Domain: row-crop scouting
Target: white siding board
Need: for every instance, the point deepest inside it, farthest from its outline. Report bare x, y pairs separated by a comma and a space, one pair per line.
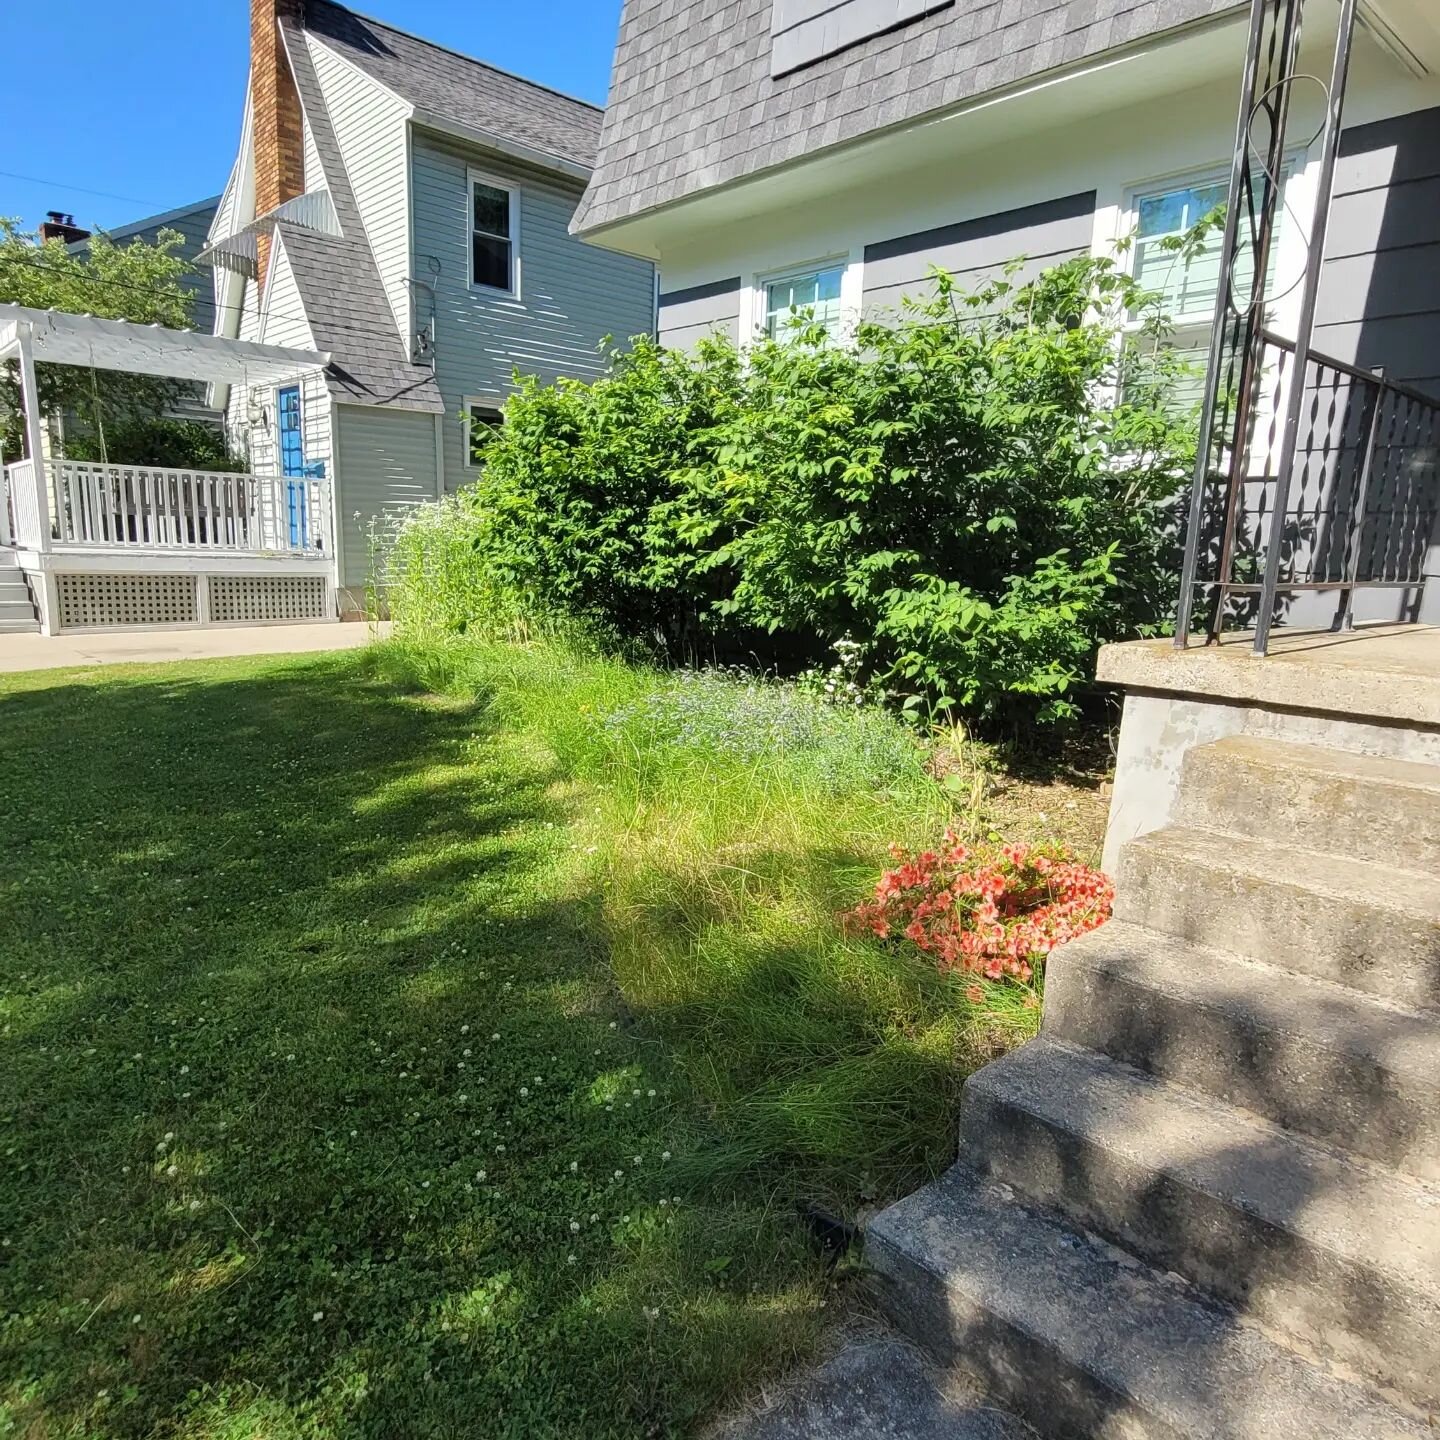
571, 294
385, 464
369, 127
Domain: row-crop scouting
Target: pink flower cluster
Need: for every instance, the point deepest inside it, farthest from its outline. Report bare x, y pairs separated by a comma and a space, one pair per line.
992, 911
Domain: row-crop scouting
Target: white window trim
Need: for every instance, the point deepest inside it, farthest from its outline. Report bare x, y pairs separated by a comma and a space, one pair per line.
477, 402
852, 291
482, 177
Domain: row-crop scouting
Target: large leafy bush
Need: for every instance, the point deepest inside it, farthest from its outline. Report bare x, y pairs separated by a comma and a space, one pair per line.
976, 491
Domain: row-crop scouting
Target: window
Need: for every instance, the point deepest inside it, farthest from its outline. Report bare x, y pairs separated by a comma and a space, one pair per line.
814, 293
494, 234
482, 418
1188, 287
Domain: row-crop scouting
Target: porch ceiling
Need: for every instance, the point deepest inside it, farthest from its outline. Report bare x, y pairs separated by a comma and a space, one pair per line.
64, 339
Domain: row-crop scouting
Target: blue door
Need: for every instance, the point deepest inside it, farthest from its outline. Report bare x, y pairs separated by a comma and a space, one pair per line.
292, 465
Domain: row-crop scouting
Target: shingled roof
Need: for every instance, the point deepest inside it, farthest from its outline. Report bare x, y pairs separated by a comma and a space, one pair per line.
693, 103
465, 91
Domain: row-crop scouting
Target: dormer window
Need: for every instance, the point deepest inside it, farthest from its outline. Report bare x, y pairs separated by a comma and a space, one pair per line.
494, 234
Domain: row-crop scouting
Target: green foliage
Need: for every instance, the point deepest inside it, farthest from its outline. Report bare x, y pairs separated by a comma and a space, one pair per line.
975, 492
157, 440
136, 281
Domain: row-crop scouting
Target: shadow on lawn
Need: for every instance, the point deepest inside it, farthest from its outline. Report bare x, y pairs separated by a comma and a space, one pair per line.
249, 910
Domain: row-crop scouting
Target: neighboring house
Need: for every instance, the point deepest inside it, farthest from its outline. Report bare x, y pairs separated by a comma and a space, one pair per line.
192, 222
824, 154
405, 210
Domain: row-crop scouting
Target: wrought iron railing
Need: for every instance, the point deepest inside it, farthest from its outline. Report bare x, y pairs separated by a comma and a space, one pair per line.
1360, 510
1314, 477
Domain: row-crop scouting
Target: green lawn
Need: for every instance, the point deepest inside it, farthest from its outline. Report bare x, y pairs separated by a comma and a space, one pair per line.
376, 1062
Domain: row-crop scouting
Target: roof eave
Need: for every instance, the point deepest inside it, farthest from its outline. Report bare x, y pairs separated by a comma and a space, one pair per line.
500, 144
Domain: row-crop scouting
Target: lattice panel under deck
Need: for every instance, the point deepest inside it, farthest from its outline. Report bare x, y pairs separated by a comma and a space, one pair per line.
267, 597
87, 600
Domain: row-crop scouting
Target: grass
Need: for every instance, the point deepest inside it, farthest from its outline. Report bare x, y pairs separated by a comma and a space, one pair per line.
440, 1041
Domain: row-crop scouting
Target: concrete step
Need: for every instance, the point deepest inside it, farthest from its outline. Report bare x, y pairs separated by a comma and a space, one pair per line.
19, 627
1371, 927
1308, 1054
1084, 1341
876, 1386
1372, 808
1339, 1256
16, 607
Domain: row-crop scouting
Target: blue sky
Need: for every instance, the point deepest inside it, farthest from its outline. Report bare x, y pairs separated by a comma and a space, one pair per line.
143, 101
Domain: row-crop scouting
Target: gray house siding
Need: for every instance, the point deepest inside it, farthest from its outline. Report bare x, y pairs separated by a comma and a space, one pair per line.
699, 310
385, 462
1380, 292
571, 294
193, 222
693, 104
974, 251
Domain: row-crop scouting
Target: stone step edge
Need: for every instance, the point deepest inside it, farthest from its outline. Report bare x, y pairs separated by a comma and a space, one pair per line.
1066, 1330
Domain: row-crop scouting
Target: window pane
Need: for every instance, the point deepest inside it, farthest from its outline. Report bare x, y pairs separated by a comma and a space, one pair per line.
490, 262
483, 423
817, 294
492, 209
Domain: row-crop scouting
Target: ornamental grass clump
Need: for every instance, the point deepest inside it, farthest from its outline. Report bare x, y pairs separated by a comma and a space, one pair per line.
991, 911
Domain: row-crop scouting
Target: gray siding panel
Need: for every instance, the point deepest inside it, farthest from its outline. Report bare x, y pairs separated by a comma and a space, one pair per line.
571, 294
699, 310
976, 250
1379, 303
384, 463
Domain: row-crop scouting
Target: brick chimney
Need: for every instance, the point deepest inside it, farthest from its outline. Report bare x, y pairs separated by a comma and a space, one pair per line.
57, 225
278, 127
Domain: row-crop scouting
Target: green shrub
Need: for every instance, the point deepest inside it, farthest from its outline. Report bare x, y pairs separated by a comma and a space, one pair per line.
969, 498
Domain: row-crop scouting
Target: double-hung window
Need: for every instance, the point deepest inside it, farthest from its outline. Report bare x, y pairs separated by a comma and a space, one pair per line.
494, 234
1187, 285
813, 294
482, 418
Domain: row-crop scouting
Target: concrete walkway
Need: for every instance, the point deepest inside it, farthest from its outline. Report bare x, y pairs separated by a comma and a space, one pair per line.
130, 647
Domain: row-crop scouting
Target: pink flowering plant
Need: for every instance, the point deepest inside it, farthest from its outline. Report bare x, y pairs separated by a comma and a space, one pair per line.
995, 911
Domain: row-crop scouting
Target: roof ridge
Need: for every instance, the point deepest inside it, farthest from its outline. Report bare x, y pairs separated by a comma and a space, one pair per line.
469, 59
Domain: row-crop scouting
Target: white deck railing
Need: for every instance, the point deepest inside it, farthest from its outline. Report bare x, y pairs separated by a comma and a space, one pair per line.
21, 521
142, 507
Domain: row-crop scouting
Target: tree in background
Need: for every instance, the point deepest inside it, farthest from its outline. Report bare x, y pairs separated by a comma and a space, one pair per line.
137, 281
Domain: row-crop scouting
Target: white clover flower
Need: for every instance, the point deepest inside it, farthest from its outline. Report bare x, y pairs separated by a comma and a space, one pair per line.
619, 1174
574, 1166
173, 1170
574, 1227
169, 1136
663, 1202
664, 1154
463, 1099
134, 1319
184, 1069
499, 1149
593, 1217
466, 1054
465, 1030
634, 1159
480, 1175
424, 1184
524, 1092
318, 1316
651, 1094
636, 1094
354, 1133
194, 1204
496, 1035
569, 1259
613, 1024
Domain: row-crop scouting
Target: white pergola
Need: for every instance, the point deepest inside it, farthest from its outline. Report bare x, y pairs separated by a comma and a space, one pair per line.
145, 519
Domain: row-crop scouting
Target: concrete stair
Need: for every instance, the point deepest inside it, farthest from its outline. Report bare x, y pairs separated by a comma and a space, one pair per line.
1206, 1202
17, 609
